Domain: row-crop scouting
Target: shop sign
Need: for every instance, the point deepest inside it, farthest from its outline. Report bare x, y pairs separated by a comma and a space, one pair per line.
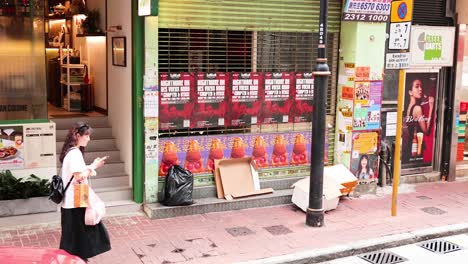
395, 61
432, 46
366, 10
419, 116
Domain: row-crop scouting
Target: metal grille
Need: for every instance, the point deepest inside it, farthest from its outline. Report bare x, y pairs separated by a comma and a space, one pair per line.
191, 50
440, 246
382, 257
433, 210
430, 12
239, 231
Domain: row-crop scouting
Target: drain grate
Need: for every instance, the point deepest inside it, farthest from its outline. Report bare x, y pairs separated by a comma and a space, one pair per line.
433, 210
239, 231
382, 257
440, 246
423, 197
278, 230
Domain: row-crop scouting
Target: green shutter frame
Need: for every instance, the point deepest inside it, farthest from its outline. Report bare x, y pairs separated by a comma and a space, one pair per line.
248, 15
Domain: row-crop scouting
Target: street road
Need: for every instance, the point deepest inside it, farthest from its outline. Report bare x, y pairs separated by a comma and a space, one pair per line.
415, 254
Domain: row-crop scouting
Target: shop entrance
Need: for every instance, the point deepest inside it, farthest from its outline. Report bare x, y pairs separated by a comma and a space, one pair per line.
76, 67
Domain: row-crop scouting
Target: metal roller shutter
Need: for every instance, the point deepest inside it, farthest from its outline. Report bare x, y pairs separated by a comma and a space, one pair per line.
247, 15
430, 13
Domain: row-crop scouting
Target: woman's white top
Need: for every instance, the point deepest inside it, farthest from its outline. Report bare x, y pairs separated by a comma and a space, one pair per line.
72, 163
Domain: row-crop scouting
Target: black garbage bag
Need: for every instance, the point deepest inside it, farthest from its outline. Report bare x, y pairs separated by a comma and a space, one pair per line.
178, 187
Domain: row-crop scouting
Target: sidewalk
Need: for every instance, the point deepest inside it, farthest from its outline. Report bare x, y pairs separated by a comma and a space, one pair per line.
252, 234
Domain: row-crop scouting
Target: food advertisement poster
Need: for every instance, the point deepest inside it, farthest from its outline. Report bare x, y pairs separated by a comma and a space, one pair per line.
39, 145
364, 155
278, 94
11, 147
176, 100
419, 116
211, 101
245, 98
304, 95
197, 154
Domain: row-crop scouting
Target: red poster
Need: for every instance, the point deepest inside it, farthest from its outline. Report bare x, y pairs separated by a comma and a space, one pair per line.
211, 104
176, 100
278, 94
245, 98
303, 97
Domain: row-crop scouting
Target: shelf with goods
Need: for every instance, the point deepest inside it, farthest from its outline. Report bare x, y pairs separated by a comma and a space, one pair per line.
71, 81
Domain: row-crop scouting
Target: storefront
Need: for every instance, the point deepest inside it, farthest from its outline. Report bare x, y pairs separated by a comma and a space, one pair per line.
427, 61
233, 79
57, 68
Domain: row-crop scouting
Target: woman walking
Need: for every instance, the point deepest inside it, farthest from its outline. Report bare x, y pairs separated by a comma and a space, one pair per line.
77, 238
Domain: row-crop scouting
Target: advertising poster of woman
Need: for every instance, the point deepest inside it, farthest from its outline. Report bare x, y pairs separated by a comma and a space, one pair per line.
419, 116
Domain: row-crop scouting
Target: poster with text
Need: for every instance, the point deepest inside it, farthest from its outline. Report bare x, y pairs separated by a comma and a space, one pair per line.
246, 98
211, 100
278, 94
364, 155
303, 97
11, 147
39, 145
176, 100
419, 115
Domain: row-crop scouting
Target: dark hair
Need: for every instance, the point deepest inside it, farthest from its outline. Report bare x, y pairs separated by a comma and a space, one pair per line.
360, 165
71, 140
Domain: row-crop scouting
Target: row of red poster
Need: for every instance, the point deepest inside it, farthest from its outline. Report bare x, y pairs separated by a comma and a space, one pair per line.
189, 100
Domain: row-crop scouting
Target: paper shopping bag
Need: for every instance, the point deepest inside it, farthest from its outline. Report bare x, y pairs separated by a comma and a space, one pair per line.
81, 195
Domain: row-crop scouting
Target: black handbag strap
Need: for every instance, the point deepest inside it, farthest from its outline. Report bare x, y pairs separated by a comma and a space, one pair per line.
68, 184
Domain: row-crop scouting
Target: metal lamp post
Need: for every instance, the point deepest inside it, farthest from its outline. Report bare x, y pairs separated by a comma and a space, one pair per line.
315, 212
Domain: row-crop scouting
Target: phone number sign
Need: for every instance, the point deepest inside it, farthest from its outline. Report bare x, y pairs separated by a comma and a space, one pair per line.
367, 10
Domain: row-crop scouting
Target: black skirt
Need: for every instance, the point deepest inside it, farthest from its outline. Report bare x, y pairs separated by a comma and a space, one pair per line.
82, 240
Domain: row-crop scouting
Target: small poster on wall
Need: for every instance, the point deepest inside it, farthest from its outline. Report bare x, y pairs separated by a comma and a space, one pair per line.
419, 116
304, 95
176, 100
11, 147
246, 98
278, 94
364, 155
211, 101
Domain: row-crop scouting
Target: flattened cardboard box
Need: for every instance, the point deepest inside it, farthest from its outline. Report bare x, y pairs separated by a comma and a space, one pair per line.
236, 178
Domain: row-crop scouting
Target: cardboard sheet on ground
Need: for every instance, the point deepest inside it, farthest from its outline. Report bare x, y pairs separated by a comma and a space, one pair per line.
331, 193
339, 173
237, 178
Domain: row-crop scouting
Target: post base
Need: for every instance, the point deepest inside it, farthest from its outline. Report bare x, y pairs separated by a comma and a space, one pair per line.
314, 217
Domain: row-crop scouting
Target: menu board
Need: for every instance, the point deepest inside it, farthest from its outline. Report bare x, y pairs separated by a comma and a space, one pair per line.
210, 107
245, 98
176, 100
39, 141
303, 97
11, 147
278, 94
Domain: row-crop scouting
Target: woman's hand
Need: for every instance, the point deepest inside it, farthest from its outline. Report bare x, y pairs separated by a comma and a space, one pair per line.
98, 162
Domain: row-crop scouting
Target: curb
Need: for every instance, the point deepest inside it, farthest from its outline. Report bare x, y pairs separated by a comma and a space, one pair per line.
364, 246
